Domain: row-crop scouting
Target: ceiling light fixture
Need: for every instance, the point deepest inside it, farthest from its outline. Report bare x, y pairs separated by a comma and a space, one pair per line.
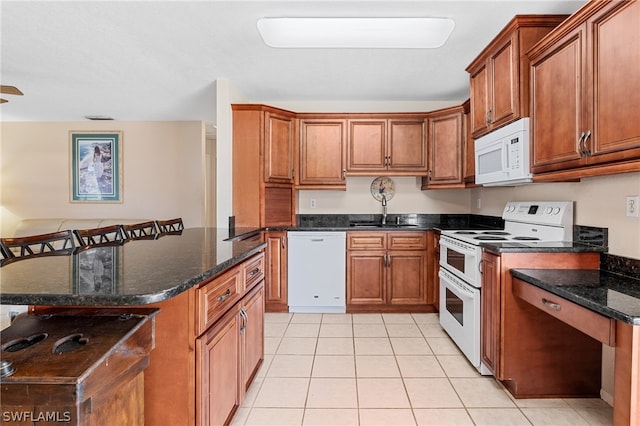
98, 117
357, 33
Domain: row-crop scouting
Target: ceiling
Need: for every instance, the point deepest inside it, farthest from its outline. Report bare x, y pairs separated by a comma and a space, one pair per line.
159, 60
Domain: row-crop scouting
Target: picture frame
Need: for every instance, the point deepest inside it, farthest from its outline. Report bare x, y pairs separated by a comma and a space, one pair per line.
96, 166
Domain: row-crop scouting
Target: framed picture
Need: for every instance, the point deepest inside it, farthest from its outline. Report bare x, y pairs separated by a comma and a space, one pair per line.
96, 166
98, 270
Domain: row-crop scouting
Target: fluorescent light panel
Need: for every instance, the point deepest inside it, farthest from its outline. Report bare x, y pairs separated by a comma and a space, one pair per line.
373, 33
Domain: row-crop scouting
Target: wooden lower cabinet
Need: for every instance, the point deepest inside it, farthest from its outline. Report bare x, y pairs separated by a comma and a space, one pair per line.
217, 360
387, 271
227, 357
526, 348
276, 297
252, 337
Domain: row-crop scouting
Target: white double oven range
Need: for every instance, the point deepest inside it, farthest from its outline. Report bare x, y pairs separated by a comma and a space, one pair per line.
526, 224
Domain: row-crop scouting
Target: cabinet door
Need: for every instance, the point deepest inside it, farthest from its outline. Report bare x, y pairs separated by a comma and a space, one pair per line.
252, 335
407, 146
278, 150
490, 312
615, 92
433, 267
479, 88
322, 153
446, 142
366, 278
278, 205
503, 82
407, 277
469, 168
276, 273
366, 147
557, 99
217, 358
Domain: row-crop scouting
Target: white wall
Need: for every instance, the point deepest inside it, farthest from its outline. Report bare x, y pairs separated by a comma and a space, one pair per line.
227, 94
162, 176
408, 198
599, 201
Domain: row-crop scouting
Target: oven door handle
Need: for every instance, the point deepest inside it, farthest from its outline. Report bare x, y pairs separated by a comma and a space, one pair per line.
459, 248
454, 282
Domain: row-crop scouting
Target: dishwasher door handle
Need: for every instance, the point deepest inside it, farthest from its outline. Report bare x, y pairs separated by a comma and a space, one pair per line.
317, 240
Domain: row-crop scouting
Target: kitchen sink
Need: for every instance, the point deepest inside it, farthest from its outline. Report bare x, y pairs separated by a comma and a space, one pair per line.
380, 225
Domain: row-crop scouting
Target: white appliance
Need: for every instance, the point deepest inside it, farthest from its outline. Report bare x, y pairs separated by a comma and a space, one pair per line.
317, 272
527, 224
502, 156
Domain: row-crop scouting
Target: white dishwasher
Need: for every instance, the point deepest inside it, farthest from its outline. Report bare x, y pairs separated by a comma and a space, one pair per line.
317, 271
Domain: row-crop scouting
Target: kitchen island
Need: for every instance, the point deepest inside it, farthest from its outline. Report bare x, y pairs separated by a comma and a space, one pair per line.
208, 337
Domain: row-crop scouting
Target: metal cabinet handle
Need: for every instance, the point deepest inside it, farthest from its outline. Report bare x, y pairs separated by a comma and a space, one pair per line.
254, 272
550, 304
243, 326
587, 136
224, 296
580, 141
488, 117
282, 242
344, 174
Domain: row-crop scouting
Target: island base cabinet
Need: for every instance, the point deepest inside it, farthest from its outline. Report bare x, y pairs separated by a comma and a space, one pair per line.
228, 356
252, 337
218, 353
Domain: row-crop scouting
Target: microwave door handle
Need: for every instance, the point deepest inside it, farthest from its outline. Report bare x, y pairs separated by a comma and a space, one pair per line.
505, 155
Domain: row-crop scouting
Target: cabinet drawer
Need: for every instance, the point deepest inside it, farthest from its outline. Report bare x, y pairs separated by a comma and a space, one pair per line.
253, 271
366, 240
216, 297
591, 323
407, 240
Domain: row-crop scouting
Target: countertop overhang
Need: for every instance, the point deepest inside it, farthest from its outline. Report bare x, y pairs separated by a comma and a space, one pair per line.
139, 272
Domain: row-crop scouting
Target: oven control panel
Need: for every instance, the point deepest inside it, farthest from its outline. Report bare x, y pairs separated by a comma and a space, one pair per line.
558, 213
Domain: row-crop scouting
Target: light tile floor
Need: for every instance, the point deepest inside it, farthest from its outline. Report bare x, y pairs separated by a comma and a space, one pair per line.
386, 369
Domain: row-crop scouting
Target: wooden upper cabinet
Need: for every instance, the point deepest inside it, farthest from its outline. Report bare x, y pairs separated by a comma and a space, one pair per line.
446, 148
407, 146
469, 161
278, 148
367, 148
499, 76
393, 145
586, 90
262, 169
322, 153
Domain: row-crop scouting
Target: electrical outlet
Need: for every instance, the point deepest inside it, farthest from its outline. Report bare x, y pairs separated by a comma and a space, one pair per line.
478, 203
312, 203
633, 206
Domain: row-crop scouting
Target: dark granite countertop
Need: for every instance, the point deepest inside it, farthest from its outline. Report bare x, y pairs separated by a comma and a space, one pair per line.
542, 247
135, 273
610, 294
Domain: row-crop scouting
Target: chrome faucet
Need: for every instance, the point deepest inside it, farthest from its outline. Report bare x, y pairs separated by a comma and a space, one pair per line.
384, 210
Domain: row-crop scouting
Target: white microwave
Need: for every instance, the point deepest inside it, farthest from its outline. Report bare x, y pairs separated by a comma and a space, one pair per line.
502, 156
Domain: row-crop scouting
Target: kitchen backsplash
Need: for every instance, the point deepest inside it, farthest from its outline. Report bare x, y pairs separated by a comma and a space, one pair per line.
449, 221
620, 265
